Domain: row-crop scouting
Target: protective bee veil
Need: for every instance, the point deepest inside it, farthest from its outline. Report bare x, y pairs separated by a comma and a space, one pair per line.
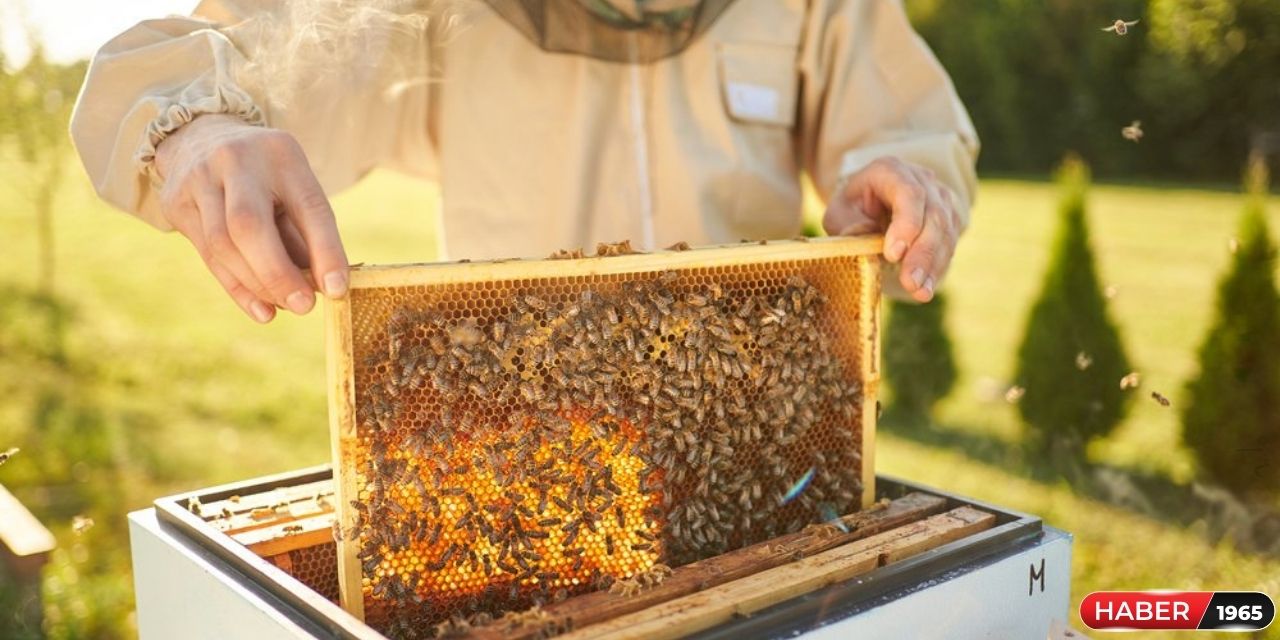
635, 31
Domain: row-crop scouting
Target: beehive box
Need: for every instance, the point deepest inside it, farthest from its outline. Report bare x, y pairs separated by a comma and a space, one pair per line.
518, 432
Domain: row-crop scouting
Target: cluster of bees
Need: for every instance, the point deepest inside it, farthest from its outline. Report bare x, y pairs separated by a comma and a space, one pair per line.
556, 440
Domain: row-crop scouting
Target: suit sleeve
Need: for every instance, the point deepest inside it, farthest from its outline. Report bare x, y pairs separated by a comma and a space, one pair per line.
872, 88
354, 94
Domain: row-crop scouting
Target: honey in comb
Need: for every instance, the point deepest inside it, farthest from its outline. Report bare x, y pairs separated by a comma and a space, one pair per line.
525, 440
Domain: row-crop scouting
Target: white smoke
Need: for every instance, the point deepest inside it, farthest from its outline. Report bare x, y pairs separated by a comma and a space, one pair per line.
296, 46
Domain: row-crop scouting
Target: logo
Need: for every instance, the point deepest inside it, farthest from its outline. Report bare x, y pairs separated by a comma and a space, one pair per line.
1177, 610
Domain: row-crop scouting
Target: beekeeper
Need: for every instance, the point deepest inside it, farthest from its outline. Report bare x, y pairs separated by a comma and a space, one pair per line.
547, 124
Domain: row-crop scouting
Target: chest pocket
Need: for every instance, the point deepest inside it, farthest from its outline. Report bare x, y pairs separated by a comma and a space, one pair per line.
759, 85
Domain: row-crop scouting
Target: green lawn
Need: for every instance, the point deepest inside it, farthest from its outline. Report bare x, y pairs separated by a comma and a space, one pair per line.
162, 385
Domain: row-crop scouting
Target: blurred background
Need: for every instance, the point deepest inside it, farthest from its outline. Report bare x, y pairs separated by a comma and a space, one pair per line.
126, 374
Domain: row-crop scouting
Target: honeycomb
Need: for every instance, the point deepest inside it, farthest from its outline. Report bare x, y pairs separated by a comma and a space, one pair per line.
313, 566
525, 438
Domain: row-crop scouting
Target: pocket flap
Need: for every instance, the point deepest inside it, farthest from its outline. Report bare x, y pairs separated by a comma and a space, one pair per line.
758, 82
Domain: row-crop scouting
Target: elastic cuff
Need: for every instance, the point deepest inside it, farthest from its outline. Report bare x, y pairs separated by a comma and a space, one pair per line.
226, 100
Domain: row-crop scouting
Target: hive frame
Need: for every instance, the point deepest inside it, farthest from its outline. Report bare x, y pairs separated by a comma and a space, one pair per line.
339, 344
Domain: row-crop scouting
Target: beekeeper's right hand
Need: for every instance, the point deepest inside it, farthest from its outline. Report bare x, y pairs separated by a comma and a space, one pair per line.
247, 200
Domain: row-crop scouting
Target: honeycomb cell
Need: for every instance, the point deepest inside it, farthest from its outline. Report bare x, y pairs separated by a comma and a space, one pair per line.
522, 440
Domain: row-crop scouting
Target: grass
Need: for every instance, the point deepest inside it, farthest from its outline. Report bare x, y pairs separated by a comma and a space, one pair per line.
159, 384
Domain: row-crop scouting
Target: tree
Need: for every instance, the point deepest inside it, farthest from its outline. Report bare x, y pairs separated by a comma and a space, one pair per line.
36, 102
1203, 79
1040, 77
918, 365
1232, 417
1071, 359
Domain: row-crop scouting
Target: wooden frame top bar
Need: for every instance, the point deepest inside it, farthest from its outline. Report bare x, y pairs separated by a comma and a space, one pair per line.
372, 276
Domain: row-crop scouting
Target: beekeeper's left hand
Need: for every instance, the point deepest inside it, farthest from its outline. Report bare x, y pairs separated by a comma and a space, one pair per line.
916, 212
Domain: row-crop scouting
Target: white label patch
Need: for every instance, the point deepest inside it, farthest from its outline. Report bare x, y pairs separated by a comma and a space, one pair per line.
753, 101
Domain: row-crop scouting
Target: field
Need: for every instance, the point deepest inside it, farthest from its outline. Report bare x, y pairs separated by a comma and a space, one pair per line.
140, 379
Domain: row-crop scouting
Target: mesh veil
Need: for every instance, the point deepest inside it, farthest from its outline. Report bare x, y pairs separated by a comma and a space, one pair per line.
636, 31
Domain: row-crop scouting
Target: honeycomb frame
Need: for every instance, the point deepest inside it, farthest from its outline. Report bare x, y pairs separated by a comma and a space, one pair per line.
355, 327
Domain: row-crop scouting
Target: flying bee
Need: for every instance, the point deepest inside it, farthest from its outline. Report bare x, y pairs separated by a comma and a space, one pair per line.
81, 524
1083, 361
1132, 380
1133, 132
1120, 27
1014, 394
1160, 398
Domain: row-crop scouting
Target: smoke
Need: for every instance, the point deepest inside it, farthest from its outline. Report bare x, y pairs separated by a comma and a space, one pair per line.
296, 47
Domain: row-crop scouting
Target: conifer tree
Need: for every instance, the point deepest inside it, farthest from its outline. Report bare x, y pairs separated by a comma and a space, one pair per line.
918, 364
1232, 415
1071, 359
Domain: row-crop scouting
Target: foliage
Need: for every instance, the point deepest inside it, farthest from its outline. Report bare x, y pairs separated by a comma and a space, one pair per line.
1040, 79
1071, 359
918, 364
1232, 419
1207, 81
36, 106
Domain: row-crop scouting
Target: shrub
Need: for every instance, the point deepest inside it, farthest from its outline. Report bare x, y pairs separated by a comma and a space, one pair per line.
1071, 359
1232, 416
918, 364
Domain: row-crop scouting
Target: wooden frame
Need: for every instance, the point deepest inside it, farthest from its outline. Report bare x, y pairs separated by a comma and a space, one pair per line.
704, 609
339, 340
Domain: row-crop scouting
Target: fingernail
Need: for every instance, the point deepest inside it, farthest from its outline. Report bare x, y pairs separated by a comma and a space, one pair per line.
928, 285
335, 284
896, 251
261, 312
917, 277
299, 302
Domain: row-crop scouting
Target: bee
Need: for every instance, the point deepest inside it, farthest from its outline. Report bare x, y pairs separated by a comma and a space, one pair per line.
81, 524
9, 453
1133, 132
1160, 398
679, 246
535, 302
1014, 394
292, 528
1132, 380
1120, 27
1083, 361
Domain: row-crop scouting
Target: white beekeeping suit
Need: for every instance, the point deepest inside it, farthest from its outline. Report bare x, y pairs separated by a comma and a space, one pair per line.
540, 137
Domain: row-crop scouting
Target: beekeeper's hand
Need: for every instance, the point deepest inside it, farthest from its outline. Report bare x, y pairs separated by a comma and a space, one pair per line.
246, 198
916, 212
